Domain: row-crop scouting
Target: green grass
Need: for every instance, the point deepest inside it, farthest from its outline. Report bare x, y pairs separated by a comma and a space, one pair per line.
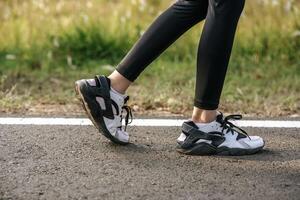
49, 44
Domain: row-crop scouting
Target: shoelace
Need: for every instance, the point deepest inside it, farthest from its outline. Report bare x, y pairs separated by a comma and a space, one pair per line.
128, 114
226, 124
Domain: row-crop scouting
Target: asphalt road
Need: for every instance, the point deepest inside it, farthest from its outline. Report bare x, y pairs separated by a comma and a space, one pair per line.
76, 162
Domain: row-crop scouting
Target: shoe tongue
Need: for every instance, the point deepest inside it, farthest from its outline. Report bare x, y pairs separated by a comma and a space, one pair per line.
220, 118
126, 99
123, 96
119, 98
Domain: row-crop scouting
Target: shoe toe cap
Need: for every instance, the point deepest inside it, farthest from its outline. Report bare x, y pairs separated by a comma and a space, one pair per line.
255, 142
122, 136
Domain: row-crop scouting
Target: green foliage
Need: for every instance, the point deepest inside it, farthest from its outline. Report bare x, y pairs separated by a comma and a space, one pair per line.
48, 41
89, 42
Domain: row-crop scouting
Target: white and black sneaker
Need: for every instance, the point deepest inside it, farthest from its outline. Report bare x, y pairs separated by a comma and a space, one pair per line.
218, 137
104, 106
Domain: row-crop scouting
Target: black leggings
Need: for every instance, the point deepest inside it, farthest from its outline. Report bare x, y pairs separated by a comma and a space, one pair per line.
214, 48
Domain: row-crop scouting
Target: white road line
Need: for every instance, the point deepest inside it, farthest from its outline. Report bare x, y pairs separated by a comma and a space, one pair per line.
142, 122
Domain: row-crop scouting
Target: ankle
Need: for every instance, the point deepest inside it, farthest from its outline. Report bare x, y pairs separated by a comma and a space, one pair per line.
115, 85
203, 116
119, 82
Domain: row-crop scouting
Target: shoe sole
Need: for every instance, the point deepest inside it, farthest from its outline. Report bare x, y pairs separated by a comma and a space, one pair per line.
97, 122
207, 149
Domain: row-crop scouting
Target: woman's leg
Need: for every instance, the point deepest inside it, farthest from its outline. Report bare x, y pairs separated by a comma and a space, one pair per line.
219, 136
168, 27
101, 96
213, 56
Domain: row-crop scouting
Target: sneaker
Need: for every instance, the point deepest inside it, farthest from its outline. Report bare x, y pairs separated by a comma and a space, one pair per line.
104, 106
218, 137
